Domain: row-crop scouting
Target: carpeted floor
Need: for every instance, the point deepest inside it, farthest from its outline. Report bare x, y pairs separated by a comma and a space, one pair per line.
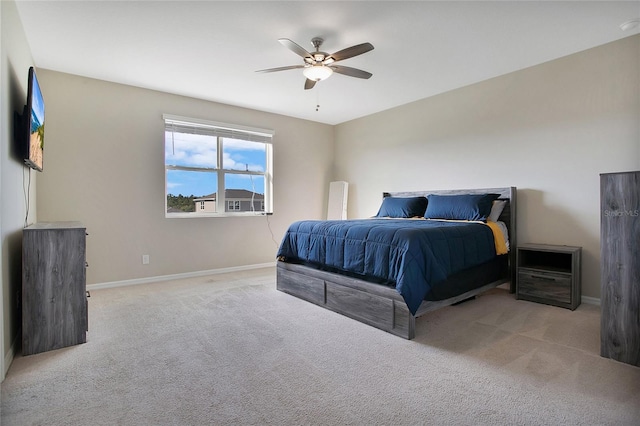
230, 349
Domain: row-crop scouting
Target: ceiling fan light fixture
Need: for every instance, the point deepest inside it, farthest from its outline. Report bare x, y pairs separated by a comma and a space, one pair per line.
317, 72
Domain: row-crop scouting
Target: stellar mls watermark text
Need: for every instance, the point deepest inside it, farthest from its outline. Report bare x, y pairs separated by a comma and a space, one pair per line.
621, 213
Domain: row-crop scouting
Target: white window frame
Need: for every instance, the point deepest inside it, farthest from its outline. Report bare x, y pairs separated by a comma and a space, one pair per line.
232, 131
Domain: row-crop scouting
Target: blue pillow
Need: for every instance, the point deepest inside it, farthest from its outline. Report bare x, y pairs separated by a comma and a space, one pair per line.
460, 207
402, 207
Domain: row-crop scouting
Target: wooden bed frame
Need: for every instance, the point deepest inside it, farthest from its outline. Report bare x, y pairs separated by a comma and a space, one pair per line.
381, 306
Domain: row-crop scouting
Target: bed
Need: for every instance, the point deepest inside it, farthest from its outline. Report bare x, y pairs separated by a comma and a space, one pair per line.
388, 270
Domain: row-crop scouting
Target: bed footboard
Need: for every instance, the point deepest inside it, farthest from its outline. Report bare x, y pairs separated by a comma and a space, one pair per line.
379, 306
373, 304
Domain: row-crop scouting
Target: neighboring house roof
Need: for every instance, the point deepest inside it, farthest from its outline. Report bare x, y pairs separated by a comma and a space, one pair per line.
233, 194
206, 197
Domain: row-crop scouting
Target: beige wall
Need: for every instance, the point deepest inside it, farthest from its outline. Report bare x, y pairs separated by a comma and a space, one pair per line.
15, 62
104, 166
549, 130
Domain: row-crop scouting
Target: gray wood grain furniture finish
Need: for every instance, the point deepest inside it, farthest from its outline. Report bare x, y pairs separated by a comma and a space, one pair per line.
549, 274
620, 266
377, 305
54, 301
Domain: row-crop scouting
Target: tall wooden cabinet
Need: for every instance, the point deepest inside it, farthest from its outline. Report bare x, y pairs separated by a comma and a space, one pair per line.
620, 266
54, 301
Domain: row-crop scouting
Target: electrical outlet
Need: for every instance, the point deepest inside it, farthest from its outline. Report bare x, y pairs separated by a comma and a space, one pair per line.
145, 259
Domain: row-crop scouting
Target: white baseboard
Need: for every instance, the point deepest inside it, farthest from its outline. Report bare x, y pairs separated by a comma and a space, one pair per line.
11, 353
590, 300
148, 280
584, 299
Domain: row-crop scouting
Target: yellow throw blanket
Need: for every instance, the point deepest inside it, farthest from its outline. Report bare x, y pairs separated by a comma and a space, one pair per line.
498, 238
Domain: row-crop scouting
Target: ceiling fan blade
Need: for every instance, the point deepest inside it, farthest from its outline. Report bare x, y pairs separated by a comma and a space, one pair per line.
350, 52
295, 48
351, 72
309, 84
290, 67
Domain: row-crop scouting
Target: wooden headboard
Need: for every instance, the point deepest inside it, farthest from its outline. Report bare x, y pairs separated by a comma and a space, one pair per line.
508, 215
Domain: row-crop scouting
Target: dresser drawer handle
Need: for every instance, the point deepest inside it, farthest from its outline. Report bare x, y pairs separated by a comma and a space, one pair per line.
542, 277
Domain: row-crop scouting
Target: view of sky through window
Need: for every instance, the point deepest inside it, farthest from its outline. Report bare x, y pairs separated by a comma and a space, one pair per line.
200, 152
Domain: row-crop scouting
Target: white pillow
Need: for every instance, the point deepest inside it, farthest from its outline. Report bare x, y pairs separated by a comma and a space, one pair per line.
496, 210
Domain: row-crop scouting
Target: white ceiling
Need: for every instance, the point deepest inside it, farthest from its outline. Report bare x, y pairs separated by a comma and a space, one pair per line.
211, 49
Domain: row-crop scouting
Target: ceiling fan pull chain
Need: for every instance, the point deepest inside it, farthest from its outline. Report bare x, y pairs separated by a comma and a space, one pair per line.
317, 98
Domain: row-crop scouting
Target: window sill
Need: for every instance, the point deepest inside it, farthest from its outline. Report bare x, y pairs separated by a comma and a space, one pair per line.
204, 215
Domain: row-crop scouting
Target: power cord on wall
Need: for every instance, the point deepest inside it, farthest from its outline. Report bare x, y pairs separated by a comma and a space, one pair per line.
271, 231
253, 193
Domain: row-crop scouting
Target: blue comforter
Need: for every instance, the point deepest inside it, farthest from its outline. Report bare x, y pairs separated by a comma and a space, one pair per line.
412, 254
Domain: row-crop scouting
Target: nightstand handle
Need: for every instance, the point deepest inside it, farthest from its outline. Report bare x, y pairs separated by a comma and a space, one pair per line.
542, 277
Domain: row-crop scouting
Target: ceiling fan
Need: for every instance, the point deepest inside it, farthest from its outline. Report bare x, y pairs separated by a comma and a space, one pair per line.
320, 65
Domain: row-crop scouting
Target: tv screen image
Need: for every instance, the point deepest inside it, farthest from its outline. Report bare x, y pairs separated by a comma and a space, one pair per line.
35, 109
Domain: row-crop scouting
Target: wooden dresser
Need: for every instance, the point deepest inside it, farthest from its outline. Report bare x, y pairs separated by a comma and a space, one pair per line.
54, 301
620, 266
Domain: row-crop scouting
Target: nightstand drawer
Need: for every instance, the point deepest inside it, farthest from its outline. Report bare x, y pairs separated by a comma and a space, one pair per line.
545, 285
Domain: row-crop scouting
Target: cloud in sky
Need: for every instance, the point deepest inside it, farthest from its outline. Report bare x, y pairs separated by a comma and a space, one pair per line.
182, 149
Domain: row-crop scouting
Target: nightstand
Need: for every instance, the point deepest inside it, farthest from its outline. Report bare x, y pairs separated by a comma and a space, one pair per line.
549, 274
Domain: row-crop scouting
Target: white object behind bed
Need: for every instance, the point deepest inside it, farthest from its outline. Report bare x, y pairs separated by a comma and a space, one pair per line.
337, 206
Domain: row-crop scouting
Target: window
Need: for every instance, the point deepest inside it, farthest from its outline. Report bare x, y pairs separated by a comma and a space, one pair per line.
216, 169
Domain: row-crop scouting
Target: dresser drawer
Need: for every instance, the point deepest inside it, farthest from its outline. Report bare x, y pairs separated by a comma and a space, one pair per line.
544, 285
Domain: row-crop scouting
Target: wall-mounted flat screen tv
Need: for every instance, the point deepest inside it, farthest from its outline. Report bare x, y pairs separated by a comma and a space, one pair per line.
33, 124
